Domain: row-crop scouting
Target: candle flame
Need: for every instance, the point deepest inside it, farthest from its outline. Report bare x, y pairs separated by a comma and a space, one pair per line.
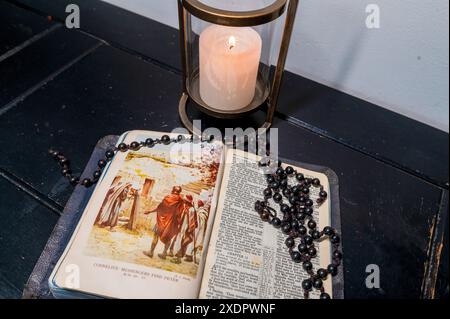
232, 42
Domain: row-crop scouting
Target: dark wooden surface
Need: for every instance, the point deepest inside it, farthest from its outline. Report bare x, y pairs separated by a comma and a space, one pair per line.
67, 89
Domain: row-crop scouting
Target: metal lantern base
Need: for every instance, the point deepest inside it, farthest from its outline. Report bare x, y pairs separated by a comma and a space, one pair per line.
182, 110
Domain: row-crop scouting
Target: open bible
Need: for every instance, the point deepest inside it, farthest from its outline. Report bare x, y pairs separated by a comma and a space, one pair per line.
178, 221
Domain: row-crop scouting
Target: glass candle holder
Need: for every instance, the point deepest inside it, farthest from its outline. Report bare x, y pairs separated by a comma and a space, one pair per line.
226, 50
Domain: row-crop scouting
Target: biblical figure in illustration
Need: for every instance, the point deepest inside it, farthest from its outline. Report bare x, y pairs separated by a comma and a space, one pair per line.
108, 215
169, 214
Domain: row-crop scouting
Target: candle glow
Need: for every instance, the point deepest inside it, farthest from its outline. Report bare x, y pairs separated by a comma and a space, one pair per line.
232, 42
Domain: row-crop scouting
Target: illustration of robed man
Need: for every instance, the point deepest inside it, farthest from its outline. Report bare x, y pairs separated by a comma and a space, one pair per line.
134, 214
196, 247
115, 197
168, 215
186, 229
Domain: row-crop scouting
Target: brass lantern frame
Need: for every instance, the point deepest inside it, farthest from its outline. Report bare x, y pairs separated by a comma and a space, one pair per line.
235, 19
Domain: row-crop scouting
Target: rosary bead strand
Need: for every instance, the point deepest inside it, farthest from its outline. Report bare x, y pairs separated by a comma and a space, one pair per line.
109, 155
298, 223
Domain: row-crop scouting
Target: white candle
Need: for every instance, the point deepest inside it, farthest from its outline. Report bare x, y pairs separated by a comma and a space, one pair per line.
229, 62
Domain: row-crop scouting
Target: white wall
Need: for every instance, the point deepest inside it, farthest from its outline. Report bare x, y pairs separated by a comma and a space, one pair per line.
403, 66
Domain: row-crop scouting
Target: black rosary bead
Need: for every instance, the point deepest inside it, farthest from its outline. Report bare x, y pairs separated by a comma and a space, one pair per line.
64, 161
74, 181
307, 265
210, 139
316, 182
335, 239
284, 208
312, 224
259, 206
332, 269
283, 184
309, 203
322, 273
305, 190
302, 230
302, 248
279, 172
300, 216
289, 170
165, 139
53, 154
276, 222
101, 163
296, 190
277, 197
134, 146
295, 225
109, 154
337, 255
329, 231
270, 179
86, 182
309, 211
300, 177
267, 193
149, 142
274, 185
312, 251
296, 257
286, 192
307, 284
308, 240
324, 296
97, 174
181, 139
323, 194
317, 283
66, 172
290, 242
122, 147
265, 216
315, 234
286, 228
293, 210
293, 200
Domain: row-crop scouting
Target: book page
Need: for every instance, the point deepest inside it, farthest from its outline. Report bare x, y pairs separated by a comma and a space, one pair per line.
145, 230
247, 258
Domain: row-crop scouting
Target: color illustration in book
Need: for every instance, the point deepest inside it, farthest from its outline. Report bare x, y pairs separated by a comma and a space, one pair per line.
155, 212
